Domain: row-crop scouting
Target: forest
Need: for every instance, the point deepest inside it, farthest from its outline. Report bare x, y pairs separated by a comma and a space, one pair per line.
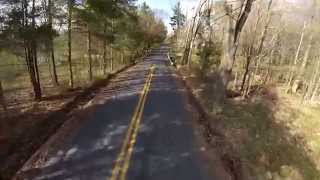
275, 43
47, 36
53, 50
254, 65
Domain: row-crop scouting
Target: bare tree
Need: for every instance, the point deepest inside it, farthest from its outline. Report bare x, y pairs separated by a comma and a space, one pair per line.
89, 48
51, 45
250, 52
192, 33
70, 6
295, 62
232, 37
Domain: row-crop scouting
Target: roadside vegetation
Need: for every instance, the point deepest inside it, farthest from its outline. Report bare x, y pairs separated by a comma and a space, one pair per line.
53, 54
254, 67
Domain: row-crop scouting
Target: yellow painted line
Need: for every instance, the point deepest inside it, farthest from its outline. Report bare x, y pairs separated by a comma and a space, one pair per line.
117, 168
127, 145
134, 136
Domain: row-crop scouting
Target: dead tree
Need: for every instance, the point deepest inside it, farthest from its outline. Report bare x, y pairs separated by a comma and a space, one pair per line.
256, 53
295, 62
315, 91
232, 37
249, 53
313, 86
192, 32
305, 59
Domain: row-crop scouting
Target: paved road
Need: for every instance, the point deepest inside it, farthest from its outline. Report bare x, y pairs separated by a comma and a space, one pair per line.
142, 114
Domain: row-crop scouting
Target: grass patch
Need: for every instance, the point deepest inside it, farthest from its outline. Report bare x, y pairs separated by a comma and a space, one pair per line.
274, 140
273, 135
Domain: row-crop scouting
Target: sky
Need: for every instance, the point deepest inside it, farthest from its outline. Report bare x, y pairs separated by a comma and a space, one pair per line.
163, 8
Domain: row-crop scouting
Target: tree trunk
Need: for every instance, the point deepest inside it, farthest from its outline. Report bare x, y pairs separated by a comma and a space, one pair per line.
185, 58
312, 87
30, 66
33, 60
189, 60
51, 45
229, 51
305, 59
291, 75
70, 6
256, 71
30, 53
111, 58
89, 56
268, 73
250, 82
315, 91
49, 68
235, 82
2, 99
3, 123
35, 56
122, 58
33, 70
192, 33
244, 79
111, 49
105, 50
258, 56
265, 30
232, 41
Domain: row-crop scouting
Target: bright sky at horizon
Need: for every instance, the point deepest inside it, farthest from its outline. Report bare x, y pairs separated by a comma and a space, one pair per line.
163, 8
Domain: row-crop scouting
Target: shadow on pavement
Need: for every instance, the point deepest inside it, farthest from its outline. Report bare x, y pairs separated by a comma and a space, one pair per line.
166, 147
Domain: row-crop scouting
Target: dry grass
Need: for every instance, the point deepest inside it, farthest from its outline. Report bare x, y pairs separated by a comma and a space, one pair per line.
272, 134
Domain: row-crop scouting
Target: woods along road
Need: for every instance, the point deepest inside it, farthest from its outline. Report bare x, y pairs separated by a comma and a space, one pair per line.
139, 127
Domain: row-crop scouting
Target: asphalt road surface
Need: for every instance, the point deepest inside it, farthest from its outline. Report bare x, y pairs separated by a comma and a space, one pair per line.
139, 128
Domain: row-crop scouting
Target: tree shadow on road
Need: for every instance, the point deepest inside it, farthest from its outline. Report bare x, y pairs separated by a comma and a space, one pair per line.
91, 152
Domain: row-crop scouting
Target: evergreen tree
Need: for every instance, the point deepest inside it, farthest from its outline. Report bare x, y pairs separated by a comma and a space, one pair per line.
178, 19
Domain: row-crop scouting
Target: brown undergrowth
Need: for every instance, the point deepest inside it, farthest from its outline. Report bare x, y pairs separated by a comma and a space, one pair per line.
32, 126
262, 137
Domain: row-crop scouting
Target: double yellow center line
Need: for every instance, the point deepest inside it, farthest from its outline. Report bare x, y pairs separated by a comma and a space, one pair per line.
121, 167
